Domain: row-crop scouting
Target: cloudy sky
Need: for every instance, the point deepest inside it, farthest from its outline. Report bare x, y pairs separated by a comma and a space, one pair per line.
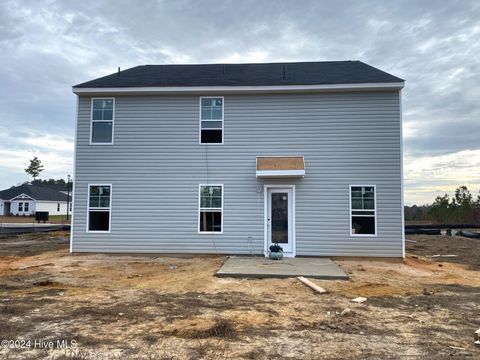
48, 46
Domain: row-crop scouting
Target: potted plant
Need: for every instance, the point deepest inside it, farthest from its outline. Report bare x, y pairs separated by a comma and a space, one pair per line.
276, 252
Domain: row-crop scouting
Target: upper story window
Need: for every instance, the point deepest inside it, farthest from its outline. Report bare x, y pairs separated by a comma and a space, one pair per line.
211, 120
102, 121
363, 213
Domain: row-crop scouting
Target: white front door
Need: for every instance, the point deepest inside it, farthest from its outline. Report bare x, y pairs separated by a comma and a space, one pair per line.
279, 219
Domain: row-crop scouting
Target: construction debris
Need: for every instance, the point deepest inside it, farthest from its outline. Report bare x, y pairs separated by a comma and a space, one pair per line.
476, 335
33, 266
359, 300
438, 255
345, 312
311, 285
427, 292
456, 348
131, 276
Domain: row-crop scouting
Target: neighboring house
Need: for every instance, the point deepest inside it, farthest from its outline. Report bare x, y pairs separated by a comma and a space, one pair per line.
25, 199
230, 158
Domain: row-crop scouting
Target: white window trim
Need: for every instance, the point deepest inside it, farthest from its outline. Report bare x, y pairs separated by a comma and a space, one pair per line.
374, 211
112, 121
109, 211
200, 119
200, 209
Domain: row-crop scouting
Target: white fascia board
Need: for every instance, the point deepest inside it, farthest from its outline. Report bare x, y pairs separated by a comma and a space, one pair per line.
280, 173
237, 89
22, 196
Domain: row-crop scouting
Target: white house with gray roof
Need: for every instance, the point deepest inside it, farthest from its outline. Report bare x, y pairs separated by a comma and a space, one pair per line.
230, 158
26, 199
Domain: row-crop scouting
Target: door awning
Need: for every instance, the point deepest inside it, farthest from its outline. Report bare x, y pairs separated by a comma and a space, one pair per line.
280, 166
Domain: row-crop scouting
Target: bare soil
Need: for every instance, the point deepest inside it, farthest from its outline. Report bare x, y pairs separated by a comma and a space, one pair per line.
172, 307
467, 250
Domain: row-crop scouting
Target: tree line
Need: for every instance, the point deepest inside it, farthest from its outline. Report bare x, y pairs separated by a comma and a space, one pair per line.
462, 208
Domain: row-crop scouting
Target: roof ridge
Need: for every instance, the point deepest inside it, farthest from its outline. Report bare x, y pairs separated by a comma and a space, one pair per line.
248, 63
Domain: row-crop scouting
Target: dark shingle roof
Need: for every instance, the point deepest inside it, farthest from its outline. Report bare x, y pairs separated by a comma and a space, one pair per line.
37, 192
299, 73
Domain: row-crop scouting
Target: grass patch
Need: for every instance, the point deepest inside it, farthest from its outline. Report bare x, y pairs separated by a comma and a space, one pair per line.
222, 328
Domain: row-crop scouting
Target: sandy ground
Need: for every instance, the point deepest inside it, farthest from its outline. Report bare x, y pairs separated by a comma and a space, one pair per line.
172, 307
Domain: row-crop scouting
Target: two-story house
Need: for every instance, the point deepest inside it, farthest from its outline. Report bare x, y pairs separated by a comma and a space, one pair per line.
230, 158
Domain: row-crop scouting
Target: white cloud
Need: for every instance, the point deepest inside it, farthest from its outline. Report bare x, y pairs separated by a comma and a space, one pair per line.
428, 176
21, 145
50, 142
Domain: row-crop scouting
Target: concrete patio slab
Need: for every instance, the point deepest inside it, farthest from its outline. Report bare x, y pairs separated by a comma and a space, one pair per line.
260, 267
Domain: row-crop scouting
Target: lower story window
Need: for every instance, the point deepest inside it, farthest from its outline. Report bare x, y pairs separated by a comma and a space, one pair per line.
20, 206
99, 207
58, 207
210, 208
363, 210
27, 205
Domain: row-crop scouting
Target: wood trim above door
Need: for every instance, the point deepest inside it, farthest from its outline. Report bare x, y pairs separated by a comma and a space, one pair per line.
265, 217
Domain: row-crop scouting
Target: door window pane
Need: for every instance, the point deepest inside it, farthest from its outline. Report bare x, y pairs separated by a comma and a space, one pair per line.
279, 218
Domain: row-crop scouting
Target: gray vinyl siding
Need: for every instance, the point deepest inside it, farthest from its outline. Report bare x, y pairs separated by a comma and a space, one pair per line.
157, 163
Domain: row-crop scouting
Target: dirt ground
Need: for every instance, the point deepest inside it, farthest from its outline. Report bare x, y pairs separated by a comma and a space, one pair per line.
464, 250
172, 307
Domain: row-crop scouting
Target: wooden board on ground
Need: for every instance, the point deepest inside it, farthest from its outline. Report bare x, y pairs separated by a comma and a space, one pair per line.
311, 285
